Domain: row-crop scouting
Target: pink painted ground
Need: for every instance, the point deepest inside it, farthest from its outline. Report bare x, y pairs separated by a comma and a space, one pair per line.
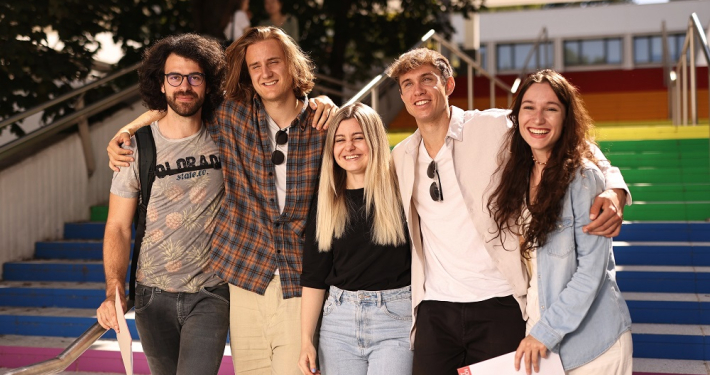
90, 361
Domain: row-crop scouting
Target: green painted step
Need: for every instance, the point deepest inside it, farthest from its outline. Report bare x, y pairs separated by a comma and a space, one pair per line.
668, 211
670, 192
99, 213
666, 145
660, 159
690, 175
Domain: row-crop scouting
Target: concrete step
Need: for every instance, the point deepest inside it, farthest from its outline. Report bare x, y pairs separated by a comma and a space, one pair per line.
671, 341
669, 308
51, 294
663, 279
102, 357
662, 253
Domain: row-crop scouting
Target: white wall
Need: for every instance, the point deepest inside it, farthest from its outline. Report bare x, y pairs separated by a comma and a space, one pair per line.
39, 194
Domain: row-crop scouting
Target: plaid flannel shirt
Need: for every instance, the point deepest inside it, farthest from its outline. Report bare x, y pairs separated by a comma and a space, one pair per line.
252, 238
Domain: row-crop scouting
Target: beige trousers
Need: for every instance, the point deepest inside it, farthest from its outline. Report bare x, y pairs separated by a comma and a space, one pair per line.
265, 331
617, 360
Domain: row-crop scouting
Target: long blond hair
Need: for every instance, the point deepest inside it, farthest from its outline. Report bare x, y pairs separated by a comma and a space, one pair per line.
382, 201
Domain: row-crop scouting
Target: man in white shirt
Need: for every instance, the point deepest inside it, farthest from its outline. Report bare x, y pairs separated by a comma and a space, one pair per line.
468, 292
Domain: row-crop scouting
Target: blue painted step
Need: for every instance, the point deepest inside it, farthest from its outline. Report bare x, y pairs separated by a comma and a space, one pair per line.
675, 231
670, 341
660, 254
52, 297
65, 323
662, 280
89, 271
90, 230
669, 308
86, 250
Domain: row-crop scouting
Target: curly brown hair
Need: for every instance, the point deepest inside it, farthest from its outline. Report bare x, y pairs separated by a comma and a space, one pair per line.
238, 86
206, 52
516, 164
418, 57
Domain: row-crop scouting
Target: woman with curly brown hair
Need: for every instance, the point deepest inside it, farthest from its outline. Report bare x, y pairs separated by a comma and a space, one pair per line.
547, 185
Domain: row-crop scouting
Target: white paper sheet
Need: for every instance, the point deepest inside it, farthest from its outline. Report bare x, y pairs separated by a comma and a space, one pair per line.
504, 365
125, 342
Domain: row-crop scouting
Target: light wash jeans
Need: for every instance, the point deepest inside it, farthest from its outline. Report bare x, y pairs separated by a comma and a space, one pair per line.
183, 333
366, 333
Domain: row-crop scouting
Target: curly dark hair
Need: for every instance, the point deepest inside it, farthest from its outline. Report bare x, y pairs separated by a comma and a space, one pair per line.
238, 85
205, 51
516, 164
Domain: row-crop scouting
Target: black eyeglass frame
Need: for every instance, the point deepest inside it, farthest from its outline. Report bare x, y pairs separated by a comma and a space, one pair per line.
436, 192
183, 76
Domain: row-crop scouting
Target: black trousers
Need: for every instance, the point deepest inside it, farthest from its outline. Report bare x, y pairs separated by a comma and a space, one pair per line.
451, 335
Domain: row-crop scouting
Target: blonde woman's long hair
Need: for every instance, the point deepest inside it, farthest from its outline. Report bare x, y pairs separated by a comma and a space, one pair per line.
382, 200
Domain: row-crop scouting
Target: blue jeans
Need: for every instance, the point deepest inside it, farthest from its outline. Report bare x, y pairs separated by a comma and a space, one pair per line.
366, 332
183, 333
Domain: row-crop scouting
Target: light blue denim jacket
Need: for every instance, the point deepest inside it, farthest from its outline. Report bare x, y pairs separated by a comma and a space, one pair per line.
581, 308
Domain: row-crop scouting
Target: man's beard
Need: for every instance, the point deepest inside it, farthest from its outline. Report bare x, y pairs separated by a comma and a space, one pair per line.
185, 109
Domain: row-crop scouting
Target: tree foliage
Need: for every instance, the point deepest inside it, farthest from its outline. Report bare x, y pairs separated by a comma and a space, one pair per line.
349, 39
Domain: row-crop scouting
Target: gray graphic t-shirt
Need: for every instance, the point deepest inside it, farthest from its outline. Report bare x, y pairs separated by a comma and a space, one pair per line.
184, 201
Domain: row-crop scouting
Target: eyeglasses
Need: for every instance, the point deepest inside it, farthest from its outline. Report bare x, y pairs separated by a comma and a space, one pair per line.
194, 79
437, 194
278, 157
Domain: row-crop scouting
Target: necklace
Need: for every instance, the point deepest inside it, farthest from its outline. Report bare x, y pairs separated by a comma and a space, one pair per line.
538, 162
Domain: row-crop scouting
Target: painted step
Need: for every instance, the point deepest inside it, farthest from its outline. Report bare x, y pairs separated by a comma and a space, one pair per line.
665, 231
98, 213
51, 294
75, 249
668, 211
102, 357
662, 253
658, 366
690, 175
670, 192
659, 159
669, 308
52, 321
658, 145
672, 341
88, 230
663, 279
55, 270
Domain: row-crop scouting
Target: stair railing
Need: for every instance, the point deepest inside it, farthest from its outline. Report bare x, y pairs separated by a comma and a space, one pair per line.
543, 39
681, 91
69, 355
371, 89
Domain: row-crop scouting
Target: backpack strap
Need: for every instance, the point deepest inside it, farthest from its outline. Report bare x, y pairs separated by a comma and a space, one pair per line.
146, 173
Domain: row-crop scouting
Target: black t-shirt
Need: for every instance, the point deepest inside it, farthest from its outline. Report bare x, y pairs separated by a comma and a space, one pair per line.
354, 262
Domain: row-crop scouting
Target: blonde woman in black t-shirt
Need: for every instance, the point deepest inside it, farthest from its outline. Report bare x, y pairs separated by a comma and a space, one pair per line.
356, 248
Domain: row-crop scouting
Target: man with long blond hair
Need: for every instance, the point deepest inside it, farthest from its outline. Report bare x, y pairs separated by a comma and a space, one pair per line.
270, 158
468, 292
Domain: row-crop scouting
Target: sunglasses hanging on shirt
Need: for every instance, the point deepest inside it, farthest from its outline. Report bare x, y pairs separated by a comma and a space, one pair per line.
435, 191
278, 157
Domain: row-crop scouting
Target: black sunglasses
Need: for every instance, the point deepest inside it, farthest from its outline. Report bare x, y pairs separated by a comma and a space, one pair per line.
277, 157
437, 194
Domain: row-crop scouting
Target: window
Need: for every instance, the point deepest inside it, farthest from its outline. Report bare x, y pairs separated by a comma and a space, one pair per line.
649, 49
512, 56
593, 51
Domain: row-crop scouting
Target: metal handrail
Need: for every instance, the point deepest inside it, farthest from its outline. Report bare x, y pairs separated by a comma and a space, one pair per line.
371, 88
69, 355
679, 75
65, 122
76, 92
